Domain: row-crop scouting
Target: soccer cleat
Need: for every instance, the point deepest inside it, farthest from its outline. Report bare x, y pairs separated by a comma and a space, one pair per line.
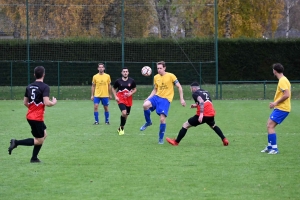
273, 151
12, 146
96, 123
35, 160
160, 141
145, 126
225, 142
121, 132
265, 150
107, 123
172, 141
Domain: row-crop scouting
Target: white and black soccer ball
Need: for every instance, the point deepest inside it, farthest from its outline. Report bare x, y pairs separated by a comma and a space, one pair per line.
146, 71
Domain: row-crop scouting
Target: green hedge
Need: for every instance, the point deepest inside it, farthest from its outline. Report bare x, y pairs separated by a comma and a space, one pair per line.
239, 59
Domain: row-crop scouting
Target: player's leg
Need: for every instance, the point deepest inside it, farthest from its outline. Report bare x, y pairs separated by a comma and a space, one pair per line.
276, 117
162, 110
39, 139
96, 113
211, 122
105, 103
148, 106
123, 118
193, 121
25, 142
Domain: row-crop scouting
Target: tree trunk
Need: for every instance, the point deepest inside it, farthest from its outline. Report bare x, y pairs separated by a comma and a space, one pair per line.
163, 14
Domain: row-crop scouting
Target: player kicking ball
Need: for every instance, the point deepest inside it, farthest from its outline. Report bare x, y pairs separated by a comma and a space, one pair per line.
205, 114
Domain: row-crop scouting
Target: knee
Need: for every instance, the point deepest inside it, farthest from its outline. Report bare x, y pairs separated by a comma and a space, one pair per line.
147, 105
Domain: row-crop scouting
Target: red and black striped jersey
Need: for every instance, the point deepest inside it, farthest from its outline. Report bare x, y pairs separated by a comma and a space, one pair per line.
209, 110
35, 93
123, 87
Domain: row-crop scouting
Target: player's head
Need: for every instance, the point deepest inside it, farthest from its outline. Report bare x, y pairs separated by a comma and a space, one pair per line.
39, 72
161, 67
125, 72
277, 67
101, 67
194, 86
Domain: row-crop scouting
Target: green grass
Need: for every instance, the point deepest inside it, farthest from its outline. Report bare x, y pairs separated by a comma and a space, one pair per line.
83, 161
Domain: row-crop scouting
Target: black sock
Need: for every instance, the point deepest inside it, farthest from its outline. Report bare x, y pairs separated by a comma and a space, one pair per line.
123, 121
181, 134
25, 142
219, 132
35, 152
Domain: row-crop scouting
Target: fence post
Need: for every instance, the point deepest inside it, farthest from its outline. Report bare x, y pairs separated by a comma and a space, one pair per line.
11, 81
220, 89
200, 75
264, 90
58, 79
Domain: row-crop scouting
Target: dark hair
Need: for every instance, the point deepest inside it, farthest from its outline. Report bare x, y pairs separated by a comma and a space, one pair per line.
161, 63
278, 67
125, 68
101, 64
39, 71
195, 84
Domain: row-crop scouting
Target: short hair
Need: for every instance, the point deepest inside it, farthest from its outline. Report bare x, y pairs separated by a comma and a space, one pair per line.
195, 84
101, 64
278, 67
161, 63
39, 71
125, 68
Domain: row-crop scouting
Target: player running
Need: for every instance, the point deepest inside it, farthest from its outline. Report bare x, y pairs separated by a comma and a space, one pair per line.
123, 89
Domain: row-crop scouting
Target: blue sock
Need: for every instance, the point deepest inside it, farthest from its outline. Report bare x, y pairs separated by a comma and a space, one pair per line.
162, 129
96, 116
273, 139
106, 114
147, 116
269, 142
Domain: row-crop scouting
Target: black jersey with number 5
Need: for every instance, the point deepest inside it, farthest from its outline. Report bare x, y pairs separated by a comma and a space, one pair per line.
209, 110
35, 93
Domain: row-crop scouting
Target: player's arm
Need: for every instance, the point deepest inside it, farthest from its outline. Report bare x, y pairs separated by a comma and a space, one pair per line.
286, 95
180, 90
152, 93
114, 91
92, 91
109, 90
26, 101
201, 104
48, 102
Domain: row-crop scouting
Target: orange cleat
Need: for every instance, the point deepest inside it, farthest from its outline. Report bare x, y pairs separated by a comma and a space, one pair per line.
225, 142
172, 141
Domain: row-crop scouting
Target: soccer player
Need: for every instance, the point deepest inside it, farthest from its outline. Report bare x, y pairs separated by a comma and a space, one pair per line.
123, 89
205, 114
160, 98
35, 99
101, 93
281, 108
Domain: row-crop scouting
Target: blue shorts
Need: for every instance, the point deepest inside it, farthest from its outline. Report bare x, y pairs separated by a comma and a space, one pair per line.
161, 105
104, 100
278, 115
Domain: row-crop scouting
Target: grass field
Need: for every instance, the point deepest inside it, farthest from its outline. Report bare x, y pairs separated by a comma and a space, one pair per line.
83, 161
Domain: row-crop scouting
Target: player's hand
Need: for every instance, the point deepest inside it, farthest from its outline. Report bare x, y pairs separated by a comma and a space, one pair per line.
92, 98
54, 100
193, 105
128, 94
110, 97
272, 105
117, 99
200, 118
182, 101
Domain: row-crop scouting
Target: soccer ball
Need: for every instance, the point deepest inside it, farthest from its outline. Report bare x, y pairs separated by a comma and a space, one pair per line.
146, 71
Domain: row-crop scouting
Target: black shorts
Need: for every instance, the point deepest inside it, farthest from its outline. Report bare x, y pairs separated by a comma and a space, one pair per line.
37, 128
123, 107
208, 120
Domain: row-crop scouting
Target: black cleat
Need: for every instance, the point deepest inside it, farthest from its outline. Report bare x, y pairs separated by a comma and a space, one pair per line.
107, 123
12, 146
96, 123
35, 161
